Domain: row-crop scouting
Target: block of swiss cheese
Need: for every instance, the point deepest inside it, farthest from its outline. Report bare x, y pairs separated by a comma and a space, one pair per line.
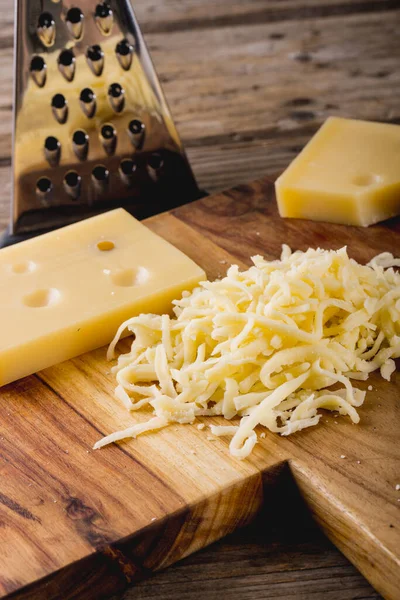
66, 292
348, 173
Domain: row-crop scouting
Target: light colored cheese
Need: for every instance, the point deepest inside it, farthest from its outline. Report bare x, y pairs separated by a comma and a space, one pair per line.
66, 292
348, 173
264, 345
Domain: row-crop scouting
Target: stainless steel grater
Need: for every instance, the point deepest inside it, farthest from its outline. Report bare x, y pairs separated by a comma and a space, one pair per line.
92, 129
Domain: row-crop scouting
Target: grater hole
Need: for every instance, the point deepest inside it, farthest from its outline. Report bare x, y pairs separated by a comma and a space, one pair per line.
74, 15
115, 90
128, 166
72, 184
72, 179
66, 64
87, 100
103, 16
38, 70
58, 101
59, 106
42, 298
87, 95
124, 51
108, 138
95, 59
80, 144
116, 95
37, 64
124, 48
155, 161
80, 137
74, 21
66, 58
52, 150
136, 126
46, 20
44, 188
136, 132
52, 144
105, 246
44, 185
108, 132
94, 52
46, 29
101, 173
103, 10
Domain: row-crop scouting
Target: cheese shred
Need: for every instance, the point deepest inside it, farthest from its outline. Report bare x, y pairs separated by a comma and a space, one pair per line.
263, 347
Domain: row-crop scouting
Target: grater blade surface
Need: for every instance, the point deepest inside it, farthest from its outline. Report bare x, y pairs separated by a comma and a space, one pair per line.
92, 129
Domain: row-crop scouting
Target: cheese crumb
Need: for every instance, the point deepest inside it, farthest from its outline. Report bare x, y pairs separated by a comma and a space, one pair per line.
342, 456
263, 435
398, 487
200, 426
263, 346
370, 388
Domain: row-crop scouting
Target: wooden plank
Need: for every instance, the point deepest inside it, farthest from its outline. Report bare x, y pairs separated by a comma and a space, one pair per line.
251, 84
143, 505
287, 559
158, 16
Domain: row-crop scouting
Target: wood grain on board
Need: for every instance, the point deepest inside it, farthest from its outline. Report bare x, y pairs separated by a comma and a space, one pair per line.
90, 522
288, 558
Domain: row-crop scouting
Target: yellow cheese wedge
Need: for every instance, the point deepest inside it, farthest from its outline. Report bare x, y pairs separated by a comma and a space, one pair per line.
348, 173
66, 292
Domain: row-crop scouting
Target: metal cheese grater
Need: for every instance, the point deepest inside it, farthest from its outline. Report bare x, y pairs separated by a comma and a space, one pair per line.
92, 130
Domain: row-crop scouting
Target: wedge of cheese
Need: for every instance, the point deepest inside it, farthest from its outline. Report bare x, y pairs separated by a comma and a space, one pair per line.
66, 292
348, 173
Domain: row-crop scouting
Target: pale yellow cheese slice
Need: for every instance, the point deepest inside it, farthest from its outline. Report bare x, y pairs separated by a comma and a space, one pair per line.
348, 173
66, 292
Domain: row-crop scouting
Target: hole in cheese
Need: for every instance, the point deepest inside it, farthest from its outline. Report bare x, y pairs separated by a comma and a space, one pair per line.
23, 267
42, 298
366, 180
130, 277
106, 246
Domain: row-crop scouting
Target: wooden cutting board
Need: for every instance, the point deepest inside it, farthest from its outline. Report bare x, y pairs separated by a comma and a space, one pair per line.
77, 523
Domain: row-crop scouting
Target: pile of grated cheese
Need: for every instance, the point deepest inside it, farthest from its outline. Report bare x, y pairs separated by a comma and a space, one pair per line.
261, 347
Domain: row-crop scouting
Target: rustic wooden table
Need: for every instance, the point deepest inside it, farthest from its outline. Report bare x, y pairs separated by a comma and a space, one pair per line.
249, 81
